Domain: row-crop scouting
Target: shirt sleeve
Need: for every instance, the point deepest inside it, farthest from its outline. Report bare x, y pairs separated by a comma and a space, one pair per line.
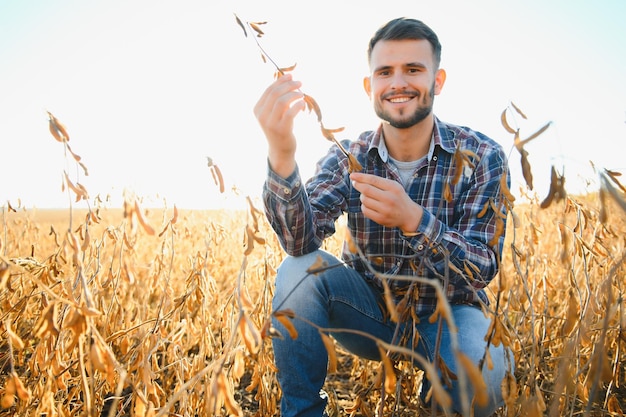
468, 249
303, 215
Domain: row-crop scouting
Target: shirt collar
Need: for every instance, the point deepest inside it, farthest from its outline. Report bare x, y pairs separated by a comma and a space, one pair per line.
441, 136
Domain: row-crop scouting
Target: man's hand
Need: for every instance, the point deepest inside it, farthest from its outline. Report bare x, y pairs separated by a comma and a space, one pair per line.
386, 202
275, 112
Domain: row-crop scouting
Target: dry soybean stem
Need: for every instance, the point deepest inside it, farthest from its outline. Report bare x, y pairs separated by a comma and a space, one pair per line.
312, 105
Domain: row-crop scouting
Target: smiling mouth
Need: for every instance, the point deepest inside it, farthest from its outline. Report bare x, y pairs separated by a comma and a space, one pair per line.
400, 99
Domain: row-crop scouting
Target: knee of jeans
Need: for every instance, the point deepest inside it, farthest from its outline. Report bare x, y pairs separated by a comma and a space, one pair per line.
293, 279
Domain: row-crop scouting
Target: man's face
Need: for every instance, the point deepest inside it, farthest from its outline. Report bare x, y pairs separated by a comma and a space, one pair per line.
403, 81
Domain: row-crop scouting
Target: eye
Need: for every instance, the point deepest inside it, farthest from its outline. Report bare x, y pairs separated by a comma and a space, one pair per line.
382, 71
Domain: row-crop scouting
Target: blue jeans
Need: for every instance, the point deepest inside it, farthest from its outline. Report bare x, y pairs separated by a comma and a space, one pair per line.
341, 298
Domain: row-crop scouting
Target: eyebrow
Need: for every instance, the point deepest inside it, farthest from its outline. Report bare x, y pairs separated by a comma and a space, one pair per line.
409, 65
415, 65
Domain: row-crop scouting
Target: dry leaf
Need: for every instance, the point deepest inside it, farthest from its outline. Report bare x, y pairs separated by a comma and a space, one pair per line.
86, 240
284, 317
13, 387
557, 189
457, 166
447, 193
519, 111
250, 334
16, 342
571, 317
353, 164
248, 241
216, 173
77, 322
76, 157
312, 105
613, 406
142, 221
227, 397
57, 129
240, 23
526, 170
483, 211
389, 371
97, 358
290, 68
504, 189
254, 213
5, 273
174, 215
446, 373
256, 26
505, 123
332, 354
389, 302
613, 176
537, 133
475, 376
47, 323
350, 242
218, 177
329, 133
509, 390
79, 190
318, 266
498, 232
8, 399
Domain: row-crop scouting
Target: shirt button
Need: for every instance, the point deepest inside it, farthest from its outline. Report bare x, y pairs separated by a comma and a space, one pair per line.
435, 158
420, 247
297, 184
286, 190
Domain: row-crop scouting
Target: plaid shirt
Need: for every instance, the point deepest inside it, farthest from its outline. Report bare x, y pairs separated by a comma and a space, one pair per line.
450, 243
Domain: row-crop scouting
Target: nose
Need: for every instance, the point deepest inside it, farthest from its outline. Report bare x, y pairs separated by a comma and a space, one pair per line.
398, 81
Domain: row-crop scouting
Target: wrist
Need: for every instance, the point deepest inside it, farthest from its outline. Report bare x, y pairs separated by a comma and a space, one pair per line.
412, 222
282, 164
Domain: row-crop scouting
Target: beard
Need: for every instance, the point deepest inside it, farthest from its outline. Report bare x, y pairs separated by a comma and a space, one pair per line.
424, 108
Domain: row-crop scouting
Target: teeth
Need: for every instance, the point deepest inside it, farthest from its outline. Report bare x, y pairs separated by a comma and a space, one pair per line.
400, 99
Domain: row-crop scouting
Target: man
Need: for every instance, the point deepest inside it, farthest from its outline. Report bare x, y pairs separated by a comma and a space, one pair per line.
416, 212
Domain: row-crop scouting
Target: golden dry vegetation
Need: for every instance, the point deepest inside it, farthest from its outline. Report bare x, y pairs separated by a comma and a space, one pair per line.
102, 315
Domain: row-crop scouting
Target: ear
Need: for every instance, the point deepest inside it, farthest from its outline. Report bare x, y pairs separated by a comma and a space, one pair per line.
440, 80
367, 85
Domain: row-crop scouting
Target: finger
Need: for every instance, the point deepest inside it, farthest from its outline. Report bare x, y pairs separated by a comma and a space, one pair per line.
371, 180
371, 204
287, 104
370, 193
371, 185
278, 95
295, 107
373, 213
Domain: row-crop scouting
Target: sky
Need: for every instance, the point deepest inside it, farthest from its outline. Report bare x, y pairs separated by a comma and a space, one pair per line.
149, 89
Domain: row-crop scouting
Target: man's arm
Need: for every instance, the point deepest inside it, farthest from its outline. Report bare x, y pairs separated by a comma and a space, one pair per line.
275, 111
473, 243
466, 244
386, 202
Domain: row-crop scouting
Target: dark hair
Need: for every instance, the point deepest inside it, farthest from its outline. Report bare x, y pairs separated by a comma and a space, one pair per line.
405, 28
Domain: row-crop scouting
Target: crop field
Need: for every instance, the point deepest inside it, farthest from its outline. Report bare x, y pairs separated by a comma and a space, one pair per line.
165, 313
